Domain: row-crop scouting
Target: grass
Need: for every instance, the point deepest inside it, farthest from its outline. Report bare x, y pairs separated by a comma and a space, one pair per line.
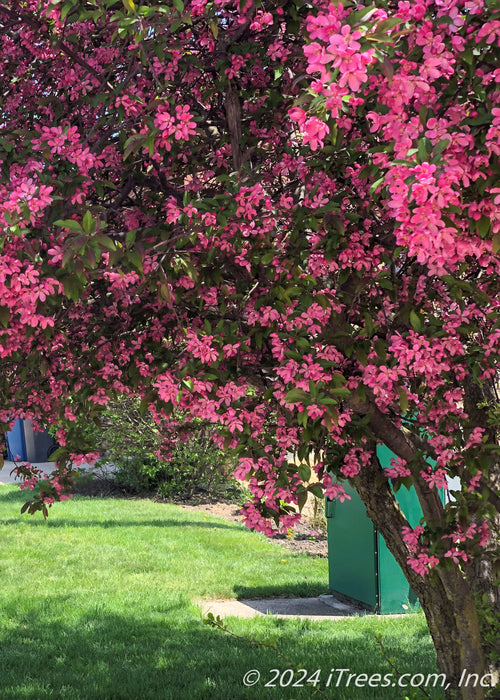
99, 601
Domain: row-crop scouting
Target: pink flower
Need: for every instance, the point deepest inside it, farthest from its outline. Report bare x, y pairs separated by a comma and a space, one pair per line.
456, 555
398, 469
412, 537
201, 347
184, 128
475, 481
436, 478
423, 563
314, 131
353, 71
334, 491
315, 411
297, 114
344, 44
316, 58
261, 20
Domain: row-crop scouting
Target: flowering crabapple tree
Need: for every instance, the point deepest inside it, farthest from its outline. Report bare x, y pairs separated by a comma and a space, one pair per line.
283, 217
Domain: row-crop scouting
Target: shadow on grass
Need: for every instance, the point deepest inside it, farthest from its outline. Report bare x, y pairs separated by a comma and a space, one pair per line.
172, 655
37, 521
285, 590
13, 495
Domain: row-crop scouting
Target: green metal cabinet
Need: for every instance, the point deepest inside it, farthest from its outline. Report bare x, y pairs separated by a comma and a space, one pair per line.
360, 565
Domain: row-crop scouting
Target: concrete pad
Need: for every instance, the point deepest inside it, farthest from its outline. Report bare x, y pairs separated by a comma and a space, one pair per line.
341, 608
7, 478
48, 467
324, 607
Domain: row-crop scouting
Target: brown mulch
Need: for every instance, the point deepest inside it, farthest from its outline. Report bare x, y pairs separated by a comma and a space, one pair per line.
305, 538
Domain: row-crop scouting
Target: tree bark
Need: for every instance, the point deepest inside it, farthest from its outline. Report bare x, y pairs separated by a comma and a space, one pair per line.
233, 113
486, 570
446, 597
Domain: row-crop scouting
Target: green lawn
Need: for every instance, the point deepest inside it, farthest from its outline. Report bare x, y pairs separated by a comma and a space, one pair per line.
99, 602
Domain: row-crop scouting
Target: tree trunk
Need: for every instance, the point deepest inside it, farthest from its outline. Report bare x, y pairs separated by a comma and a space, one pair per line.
485, 582
445, 595
485, 578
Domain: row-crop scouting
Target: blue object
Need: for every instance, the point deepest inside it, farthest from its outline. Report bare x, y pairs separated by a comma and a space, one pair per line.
28, 444
16, 442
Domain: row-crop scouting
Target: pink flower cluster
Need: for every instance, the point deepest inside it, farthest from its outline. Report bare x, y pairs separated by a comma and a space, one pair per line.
51, 487
398, 469
355, 459
334, 491
313, 129
422, 563
339, 50
201, 347
435, 478
65, 142
178, 124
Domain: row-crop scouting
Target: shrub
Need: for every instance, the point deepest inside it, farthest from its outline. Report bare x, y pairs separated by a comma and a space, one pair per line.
130, 440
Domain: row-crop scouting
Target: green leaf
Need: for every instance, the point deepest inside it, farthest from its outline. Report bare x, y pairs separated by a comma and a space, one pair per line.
132, 144
341, 391
423, 115
296, 396
215, 28
79, 242
66, 9
438, 149
358, 15
129, 5
105, 241
69, 224
322, 300
135, 259
333, 415
165, 293
362, 357
387, 24
483, 226
304, 471
424, 148
301, 499
316, 490
87, 222
4, 316
72, 287
386, 283
375, 184
484, 118
56, 454
495, 244
179, 5
403, 400
302, 419
380, 349
415, 321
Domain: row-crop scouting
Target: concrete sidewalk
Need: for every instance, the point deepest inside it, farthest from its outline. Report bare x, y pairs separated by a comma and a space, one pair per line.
48, 467
324, 607
7, 478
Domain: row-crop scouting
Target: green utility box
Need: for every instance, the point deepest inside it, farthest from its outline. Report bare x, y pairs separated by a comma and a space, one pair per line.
359, 563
